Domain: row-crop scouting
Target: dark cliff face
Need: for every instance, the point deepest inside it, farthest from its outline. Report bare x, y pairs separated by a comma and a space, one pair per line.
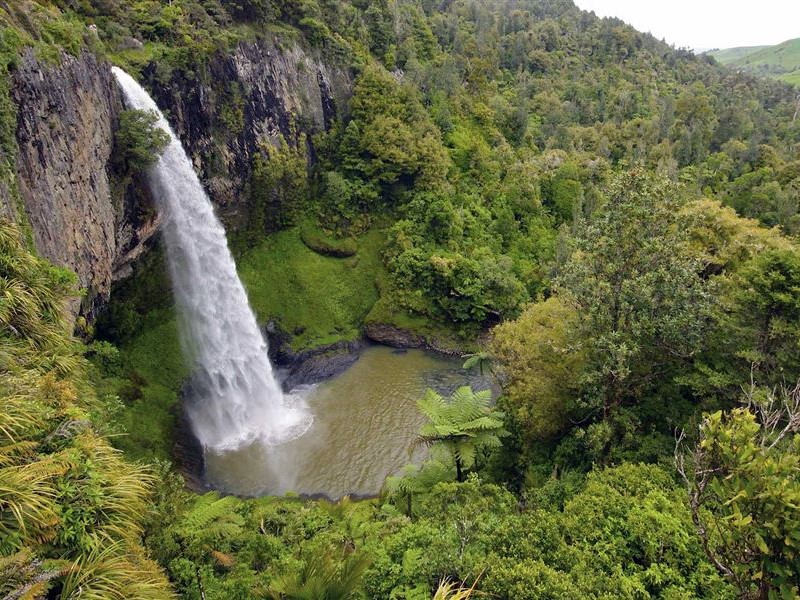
67, 115
245, 100
82, 216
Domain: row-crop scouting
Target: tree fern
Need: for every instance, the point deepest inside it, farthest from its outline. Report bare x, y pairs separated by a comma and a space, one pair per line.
209, 515
322, 577
464, 425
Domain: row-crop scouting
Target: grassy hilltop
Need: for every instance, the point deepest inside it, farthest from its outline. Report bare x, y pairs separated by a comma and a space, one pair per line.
781, 61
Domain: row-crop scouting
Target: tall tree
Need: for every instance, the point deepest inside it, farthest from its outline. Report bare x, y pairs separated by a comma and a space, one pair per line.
642, 304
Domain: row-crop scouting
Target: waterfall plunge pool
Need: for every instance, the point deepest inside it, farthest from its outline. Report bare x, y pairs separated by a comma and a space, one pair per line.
365, 424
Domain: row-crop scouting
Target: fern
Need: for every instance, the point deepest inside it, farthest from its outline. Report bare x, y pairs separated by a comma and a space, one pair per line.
212, 516
464, 425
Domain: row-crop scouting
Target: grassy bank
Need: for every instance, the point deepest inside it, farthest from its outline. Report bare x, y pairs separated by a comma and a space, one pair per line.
316, 299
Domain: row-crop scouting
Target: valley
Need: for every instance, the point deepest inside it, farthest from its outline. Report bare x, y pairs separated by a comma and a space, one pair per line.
406, 300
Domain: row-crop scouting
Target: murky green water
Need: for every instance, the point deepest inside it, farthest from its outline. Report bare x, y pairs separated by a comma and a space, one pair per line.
365, 423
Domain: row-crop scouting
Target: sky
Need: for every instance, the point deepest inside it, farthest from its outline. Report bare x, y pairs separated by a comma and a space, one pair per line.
706, 24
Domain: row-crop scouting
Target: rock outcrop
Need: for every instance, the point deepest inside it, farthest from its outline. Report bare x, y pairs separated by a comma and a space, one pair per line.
258, 94
81, 216
396, 337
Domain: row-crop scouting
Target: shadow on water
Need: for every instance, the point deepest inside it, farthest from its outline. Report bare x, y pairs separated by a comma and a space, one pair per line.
365, 424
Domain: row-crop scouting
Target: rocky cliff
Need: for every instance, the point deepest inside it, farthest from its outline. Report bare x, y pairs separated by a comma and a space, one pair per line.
82, 216
65, 133
240, 101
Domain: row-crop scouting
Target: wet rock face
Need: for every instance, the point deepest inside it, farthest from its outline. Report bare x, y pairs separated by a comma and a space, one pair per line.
242, 101
66, 118
81, 216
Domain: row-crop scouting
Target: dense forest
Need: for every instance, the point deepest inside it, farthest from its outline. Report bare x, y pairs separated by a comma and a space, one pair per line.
603, 224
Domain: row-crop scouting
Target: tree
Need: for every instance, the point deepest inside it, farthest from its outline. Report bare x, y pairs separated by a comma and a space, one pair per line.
464, 425
415, 480
540, 356
481, 360
695, 124
768, 299
743, 483
636, 288
279, 185
138, 141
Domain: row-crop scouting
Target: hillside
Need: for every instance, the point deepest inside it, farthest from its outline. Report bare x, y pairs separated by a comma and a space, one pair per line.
727, 56
603, 227
781, 61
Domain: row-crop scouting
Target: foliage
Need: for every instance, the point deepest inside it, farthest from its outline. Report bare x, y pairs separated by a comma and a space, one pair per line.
453, 591
465, 425
497, 160
643, 306
415, 481
743, 480
138, 141
71, 508
542, 360
325, 245
279, 186
322, 577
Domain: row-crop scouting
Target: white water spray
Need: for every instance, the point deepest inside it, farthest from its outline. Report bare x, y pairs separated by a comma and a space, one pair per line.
235, 397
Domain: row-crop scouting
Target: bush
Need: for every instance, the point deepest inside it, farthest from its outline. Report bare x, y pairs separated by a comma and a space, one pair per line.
279, 184
138, 142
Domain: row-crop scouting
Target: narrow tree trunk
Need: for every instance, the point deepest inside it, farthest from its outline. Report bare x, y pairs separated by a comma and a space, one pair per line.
459, 470
200, 583
763, 344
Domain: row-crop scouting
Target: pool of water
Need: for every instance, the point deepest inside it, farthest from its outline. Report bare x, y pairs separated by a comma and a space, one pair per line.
365, 424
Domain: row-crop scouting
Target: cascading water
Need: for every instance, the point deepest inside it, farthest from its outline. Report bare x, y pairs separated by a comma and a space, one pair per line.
235, 398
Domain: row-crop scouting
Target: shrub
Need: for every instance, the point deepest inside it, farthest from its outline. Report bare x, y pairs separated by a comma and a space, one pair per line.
138, 142
325, 245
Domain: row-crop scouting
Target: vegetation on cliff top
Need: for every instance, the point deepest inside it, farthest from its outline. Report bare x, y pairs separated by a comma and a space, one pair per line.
625, 211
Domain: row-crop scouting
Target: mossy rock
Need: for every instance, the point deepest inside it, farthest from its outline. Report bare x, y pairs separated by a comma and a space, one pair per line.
325, 245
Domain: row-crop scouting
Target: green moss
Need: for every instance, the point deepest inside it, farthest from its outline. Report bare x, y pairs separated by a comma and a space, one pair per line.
316, 240
155, 370
318, 299
156, 354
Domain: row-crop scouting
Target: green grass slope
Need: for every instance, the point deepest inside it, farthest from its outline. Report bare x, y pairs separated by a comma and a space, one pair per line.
781, 61
317, 299
727, 56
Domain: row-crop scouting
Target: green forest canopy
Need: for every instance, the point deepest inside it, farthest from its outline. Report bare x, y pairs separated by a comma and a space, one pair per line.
626, 212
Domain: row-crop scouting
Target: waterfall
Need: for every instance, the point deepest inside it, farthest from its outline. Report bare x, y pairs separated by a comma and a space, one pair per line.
235, 399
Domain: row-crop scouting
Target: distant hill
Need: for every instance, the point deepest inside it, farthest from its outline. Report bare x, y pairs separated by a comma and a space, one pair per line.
731, 55
780, 62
